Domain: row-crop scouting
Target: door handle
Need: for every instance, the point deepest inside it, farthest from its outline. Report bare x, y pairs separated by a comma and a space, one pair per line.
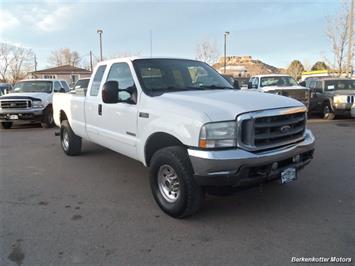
99, 109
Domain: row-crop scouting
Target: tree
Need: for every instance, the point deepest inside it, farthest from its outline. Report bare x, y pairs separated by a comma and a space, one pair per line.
319, 65
64, 56
337, 33
295, 69
15, 62
207, 52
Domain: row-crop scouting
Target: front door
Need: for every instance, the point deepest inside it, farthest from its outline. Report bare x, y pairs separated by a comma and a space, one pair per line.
119, 120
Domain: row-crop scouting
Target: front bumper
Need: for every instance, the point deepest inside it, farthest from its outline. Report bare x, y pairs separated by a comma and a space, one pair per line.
342, 108
23, 115
238, 167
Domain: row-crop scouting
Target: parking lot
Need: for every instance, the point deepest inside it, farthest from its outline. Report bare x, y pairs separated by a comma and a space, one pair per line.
97, 208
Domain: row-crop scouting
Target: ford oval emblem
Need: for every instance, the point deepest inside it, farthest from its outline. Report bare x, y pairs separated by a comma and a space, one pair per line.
285, 129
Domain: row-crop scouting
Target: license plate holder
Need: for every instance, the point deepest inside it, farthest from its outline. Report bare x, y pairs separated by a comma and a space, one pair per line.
288, 175
13, 117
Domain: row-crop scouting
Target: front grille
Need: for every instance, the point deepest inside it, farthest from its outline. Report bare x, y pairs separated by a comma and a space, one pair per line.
299, 94
265, 130
15, 104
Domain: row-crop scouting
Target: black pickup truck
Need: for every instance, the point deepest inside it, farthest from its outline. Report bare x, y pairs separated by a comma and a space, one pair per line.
331, 96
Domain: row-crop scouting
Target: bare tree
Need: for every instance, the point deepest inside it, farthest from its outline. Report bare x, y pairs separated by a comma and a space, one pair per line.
207, 52
15, 62
337, 33
64, 56
5, 60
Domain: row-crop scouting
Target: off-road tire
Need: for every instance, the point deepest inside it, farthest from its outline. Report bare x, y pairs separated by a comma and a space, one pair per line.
328, 114
191, 195
48, 121
71, 143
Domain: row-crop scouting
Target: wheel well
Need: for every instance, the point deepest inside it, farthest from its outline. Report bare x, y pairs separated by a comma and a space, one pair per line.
158, 141
62, 116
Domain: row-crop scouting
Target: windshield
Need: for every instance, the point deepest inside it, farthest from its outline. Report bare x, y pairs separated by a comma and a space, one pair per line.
168, 75
345, 84
33, 86
284, 81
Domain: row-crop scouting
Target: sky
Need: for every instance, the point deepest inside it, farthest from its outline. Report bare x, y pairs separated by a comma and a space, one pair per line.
274, 31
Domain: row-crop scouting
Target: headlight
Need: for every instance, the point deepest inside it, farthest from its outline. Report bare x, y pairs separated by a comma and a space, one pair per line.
37, 104
340, 99
218, 135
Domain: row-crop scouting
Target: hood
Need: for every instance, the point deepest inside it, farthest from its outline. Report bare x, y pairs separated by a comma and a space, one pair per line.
221, 105
341, 92
44, 97
278, 88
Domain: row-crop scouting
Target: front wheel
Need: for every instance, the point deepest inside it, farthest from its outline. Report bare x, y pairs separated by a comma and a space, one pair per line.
328, 114
70, 142
172, 183
48, 120
6, 125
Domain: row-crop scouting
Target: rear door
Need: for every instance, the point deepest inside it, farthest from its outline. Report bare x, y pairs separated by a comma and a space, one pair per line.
93, 106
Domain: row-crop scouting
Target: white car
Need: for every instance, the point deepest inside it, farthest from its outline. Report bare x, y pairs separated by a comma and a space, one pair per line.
194, 134
30, 101
280, 84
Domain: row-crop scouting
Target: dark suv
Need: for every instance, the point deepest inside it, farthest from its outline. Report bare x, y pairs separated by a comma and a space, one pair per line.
331, 96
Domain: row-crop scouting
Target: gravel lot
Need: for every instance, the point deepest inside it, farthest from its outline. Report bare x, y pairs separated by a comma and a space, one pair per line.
97, 209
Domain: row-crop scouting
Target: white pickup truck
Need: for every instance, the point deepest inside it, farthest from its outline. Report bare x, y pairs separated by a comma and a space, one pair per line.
195, 136
30, 102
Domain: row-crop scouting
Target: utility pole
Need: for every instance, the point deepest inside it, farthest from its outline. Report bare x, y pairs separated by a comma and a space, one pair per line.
35, 59
151, 43
100, 31
226, 33
350, 45
90, 61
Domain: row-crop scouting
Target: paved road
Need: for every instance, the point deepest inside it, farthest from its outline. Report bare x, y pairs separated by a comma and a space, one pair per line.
97, 209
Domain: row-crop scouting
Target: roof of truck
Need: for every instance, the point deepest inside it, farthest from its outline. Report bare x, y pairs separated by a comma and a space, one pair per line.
42, 80
132, 58
270, 75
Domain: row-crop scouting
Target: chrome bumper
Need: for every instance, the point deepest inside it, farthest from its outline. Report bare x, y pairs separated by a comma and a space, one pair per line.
213, 164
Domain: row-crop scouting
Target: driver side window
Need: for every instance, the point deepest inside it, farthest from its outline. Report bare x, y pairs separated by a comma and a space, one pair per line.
121, 73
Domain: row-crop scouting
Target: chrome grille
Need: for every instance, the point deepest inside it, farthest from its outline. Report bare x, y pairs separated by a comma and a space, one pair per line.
270, 129
15, 104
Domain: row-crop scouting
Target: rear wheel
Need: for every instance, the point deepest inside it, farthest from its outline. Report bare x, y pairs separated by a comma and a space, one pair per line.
6, 125
172, 183
48, 120
70, 142
328, 114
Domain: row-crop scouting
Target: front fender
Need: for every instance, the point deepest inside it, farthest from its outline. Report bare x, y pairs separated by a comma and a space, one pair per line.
185, 129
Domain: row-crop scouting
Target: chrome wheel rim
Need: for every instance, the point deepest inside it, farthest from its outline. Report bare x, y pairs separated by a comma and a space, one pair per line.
65, 140
168, 183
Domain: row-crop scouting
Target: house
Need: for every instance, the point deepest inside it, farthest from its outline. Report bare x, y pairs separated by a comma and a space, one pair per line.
70, 73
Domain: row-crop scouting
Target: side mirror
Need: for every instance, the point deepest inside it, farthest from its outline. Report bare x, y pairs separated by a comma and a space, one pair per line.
110, 92
62, 90
250, 86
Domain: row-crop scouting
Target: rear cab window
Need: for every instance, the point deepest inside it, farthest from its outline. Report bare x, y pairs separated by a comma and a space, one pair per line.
96, 83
